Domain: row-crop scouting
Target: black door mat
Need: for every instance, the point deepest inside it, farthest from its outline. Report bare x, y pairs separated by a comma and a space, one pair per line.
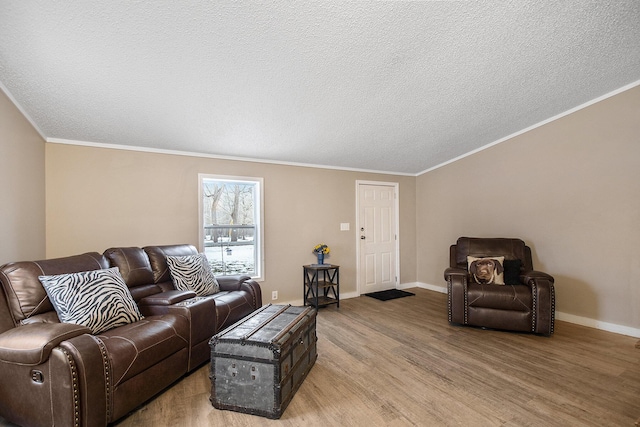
389, 294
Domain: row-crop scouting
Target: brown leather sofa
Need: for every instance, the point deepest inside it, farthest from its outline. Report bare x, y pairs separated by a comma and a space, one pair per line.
525, 303
54, 373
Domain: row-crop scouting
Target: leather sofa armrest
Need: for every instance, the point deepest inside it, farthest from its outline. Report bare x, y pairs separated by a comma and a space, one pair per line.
535, 275
453, 272
166, 298
255, 290
32, 344
456, 294
232, 282
541, 285
242, 282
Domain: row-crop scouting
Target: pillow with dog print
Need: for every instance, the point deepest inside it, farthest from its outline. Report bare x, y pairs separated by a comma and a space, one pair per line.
486, 270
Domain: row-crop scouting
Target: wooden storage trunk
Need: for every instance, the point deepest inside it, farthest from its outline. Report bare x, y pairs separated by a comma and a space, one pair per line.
258, 363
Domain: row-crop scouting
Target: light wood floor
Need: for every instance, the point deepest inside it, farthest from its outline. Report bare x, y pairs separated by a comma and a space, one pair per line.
399, 363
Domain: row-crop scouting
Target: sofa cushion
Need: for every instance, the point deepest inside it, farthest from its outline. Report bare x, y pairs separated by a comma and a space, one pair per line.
133, 264
97, 299
486, 270
157, 258
490, 247
193, 273
508, 297
136, 347
135, 268
26, 296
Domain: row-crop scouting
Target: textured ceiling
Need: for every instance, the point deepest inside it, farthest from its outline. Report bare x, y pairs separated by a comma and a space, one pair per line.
382, 85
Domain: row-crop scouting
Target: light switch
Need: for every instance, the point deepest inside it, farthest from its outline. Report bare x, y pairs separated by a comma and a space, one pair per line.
344, 226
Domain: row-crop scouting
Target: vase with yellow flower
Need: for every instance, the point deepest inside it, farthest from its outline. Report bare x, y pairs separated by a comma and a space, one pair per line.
321, 250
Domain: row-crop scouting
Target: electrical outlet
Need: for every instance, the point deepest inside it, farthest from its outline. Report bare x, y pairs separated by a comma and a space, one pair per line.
274, 295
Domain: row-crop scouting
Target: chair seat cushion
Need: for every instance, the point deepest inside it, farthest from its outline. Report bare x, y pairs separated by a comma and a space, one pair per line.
507, 297
139, 346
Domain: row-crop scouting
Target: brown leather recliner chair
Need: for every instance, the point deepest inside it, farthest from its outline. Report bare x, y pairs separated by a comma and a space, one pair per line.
526, 302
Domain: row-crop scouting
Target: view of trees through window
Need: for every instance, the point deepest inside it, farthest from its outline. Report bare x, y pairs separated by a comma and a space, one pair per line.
230, 221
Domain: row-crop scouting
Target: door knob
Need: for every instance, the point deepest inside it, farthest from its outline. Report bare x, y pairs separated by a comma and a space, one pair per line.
362, 237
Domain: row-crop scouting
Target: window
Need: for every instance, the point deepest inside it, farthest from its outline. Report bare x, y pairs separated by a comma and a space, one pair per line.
231, 224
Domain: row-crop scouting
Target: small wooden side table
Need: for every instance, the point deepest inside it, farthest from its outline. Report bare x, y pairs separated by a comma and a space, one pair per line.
321, 285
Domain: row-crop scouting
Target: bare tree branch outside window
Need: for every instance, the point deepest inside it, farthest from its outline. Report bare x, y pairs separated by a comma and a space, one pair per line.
230, 229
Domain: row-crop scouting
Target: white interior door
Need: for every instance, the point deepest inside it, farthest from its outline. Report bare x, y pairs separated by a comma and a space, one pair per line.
377, 233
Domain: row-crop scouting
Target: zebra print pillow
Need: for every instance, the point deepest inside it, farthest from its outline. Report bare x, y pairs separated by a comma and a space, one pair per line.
193, 273
97, 299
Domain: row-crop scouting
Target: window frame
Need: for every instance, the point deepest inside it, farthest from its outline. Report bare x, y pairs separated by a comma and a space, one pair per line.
259, 215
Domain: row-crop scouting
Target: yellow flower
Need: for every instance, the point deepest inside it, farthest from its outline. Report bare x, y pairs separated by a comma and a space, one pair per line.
321, 248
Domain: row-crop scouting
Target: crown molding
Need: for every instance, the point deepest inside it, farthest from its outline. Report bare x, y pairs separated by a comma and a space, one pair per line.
215, 156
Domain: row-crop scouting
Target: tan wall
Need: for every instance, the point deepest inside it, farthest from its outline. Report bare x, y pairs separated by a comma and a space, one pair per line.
22, 187
570, 189
99, 197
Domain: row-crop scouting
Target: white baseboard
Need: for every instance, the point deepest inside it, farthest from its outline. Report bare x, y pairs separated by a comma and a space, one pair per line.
441, 289
565, 317
349, 295
598, 324
300, 302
